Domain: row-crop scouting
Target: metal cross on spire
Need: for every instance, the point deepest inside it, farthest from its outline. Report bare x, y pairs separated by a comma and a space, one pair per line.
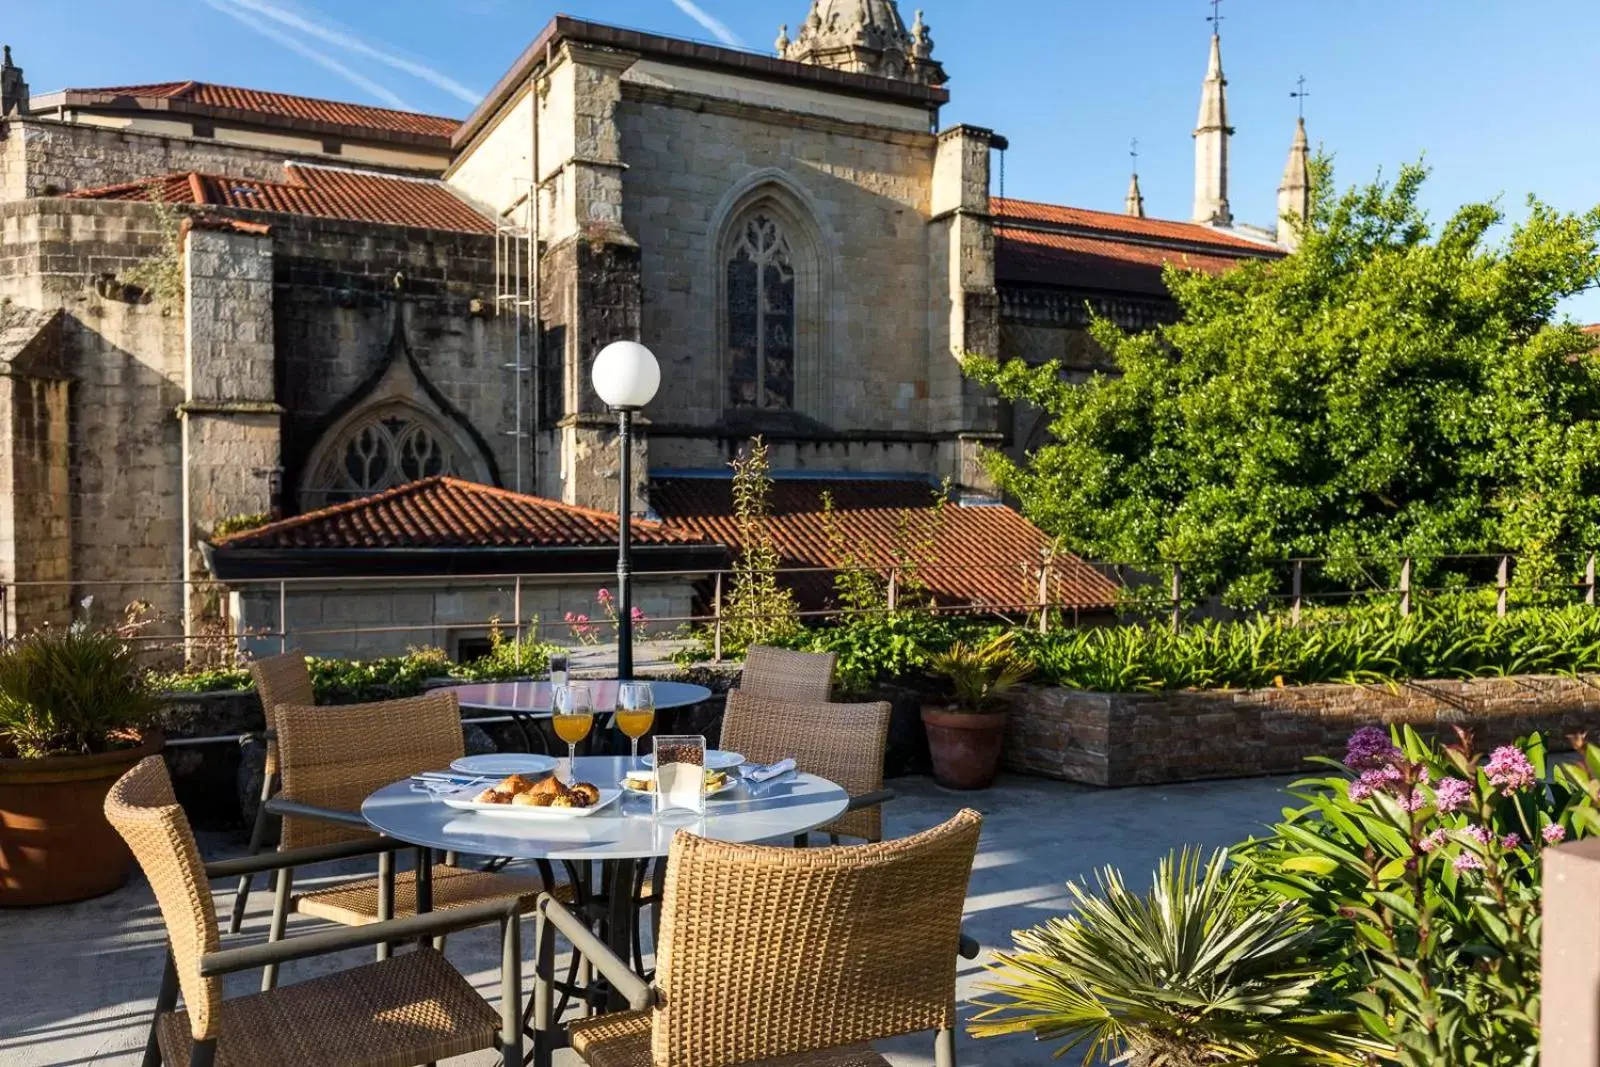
1299, 95
1216, 16
1133, 153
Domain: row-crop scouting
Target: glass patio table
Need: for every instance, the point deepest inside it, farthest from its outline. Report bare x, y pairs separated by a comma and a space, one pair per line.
523, 702
618, 837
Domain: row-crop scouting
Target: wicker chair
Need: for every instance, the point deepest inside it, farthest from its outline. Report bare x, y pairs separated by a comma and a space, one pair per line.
841, 742
772, 955
413, 1008
783, 674
279, 680
330, 759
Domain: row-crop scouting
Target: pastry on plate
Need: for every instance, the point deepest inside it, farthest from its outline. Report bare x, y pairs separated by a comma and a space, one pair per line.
586, 793
492, 796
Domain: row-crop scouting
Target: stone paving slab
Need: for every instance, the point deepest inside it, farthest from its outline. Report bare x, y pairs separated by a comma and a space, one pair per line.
77, 983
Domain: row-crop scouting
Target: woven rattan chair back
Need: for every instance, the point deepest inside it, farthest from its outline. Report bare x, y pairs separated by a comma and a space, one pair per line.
843, 743
335, 756
142, 808
769, 952
281, 679
783, 674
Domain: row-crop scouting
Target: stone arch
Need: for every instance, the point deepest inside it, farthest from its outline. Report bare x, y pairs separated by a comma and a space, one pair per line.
777, 205
389, 441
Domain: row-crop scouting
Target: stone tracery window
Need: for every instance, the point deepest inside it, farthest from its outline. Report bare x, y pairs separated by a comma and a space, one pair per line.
390, 446
761, 317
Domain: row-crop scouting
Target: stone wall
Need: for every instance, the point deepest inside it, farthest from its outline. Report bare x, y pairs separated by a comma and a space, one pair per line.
387, 617
125, 355
1114, 739
859, 198
59, 157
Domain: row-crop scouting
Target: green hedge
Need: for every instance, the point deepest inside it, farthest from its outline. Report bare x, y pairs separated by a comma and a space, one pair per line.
369, 679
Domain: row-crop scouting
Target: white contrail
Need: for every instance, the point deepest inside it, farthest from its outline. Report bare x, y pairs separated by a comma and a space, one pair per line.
710, 23
322, 59
350, 43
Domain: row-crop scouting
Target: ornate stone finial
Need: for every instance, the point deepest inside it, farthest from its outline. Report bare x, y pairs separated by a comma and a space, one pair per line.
866, 37
782, 43
6, 60
921, 39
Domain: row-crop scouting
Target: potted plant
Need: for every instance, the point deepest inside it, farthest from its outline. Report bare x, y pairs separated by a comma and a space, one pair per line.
74, 715
966, 734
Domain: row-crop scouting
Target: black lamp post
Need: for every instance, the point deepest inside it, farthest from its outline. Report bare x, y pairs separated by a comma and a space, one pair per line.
626, 376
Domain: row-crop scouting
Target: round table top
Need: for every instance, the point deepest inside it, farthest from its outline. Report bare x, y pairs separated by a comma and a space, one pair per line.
534, 697
624, 830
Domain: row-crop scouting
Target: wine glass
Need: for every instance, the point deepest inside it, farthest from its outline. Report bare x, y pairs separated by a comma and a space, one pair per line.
573, 707
636, 712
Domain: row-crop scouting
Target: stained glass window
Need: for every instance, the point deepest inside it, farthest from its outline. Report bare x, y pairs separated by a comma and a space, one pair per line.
388, 447
761, 317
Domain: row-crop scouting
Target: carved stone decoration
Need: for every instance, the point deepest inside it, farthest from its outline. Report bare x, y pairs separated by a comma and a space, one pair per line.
864, 37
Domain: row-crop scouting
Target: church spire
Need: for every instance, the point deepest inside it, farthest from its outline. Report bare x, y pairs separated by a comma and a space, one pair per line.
1134, 203
864, 37
1294, 194
1211, 135
13, 90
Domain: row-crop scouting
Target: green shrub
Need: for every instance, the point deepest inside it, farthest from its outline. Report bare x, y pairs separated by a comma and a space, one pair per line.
71, 691
1187, 974
1452, 639
891, 645
981, 675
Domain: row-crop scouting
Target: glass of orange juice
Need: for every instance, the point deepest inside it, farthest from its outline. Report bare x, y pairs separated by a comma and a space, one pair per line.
636, 712
573, 718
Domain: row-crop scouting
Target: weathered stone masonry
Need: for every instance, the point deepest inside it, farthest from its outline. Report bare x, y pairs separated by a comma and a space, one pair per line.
1115, 739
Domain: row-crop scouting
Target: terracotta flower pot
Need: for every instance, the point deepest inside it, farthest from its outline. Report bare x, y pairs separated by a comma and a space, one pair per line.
965, 746
55, 843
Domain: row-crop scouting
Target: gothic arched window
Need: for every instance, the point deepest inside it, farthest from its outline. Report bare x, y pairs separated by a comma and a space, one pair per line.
762, 322
389, 446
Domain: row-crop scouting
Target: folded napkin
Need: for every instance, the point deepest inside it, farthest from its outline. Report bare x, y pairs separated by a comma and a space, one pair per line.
758, 773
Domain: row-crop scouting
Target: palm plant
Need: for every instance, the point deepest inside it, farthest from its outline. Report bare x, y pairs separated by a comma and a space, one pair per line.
71, 691
1186, 975
981, 675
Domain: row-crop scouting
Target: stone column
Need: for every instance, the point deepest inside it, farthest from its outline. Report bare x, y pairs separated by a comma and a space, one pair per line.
590, 291
963, 279
230, 415
1569, 1005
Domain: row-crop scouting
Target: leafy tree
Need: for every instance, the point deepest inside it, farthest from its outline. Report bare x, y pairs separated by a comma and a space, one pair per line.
1389, 390
759, 609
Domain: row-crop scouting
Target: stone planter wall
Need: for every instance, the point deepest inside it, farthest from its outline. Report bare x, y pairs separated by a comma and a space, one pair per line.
1116, 739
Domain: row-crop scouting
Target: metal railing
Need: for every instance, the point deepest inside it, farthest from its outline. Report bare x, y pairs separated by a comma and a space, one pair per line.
1042, 597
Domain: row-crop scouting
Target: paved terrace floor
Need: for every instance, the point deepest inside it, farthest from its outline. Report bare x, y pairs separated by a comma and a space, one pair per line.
78, 983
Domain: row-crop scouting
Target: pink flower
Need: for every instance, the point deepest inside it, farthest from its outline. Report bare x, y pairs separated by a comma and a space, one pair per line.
1554, 834
1415, 802
1369, 747
604, 596
1511, 842
1465, 862
1480, 834
1452, 794
638, 615
1508, 767
1434, 841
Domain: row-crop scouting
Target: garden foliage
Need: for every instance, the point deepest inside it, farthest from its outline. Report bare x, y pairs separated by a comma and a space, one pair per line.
1393, 389
71, 690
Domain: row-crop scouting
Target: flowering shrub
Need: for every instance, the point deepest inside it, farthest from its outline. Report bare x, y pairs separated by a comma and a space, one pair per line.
579, 626
1424, 861
608, 604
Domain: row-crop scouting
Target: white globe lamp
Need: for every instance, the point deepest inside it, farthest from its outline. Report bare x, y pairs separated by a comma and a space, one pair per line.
626, 375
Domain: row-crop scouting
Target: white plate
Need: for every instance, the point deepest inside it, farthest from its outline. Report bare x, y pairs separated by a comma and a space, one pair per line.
504, 764
464, 802
716, 759
731, 782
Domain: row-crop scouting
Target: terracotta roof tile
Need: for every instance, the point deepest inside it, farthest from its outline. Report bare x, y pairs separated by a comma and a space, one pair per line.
278, 105
324, 192
986, 555
448, 513
1049, 244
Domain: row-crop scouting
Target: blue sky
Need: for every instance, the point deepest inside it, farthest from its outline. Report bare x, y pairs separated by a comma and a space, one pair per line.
1498, 100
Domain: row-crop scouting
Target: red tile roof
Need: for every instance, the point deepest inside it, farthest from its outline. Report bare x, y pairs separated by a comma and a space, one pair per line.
987, 555
323, 192
1047, 244
448, 513
203, 96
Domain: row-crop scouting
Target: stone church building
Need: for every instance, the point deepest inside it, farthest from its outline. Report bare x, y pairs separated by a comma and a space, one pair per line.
219, 303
